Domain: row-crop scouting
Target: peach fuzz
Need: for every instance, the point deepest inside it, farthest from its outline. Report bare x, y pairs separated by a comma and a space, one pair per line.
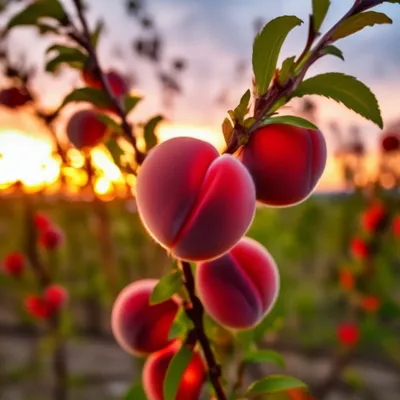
138, 327
194, 202
241, 287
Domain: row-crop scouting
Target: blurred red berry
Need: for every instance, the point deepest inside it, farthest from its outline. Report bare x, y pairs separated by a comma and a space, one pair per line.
14, 97
41, 222
14, 264
359, 248
348, 334
299, 394
37, 307
51, 238
346, 279
372, 217
56, 297
396, 226
390, 142
370, 303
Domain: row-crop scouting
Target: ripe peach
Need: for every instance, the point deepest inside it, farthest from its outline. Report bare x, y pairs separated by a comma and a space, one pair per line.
14, 97
155, 369
239, 288
192, 201
85, 129
56, 297
14, 264
390, 142
138, 327
285, 162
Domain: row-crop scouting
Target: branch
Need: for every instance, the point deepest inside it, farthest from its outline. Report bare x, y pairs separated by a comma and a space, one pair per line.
195, 311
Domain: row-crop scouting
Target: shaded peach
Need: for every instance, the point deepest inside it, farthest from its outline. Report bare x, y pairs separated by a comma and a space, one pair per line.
192, 201
85, 129
155, 369
285, 162
138, 327
239, 288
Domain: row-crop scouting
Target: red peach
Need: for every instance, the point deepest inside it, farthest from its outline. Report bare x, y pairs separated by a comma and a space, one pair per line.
85, 129
14, 97
155, 369
14, 264
348, 334
51, 238
138, 327
192, 201
118, 84
390, 142
285, 162
37, 307
239, 288
41, 222
56, 297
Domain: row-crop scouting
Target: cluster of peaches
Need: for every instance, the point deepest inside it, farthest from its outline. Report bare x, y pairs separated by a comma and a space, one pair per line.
53, 297
198, 205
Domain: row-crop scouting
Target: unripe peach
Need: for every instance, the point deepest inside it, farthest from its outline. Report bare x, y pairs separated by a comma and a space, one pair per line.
14, 264
56, 297
85, 129
192, 201
239, 288
51, 238
138, 327
155, 369
285, 162
14, 97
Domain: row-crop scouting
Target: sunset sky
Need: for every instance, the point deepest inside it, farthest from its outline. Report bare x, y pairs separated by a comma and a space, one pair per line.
213, 36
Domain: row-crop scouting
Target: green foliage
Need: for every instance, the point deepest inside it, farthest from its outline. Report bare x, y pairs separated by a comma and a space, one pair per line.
320, 9
115, 151
94, 40
227, 129
265, 356
166, 287
175, 370
243, 108
113, 125
287, 69
290, 120
344, 89
130, 102
180, 326
149, 131
71, 56
358, 22
334, 51
266, 49
135, 392
274, 383
90, 95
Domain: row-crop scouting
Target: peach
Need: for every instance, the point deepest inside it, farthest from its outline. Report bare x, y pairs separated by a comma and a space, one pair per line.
138, 327
372, 218
390, 142
85, 129
192, 201
348, 334
14, 264
359, 249
51, 238
285, 162
239, 288
155, 369
37, 307
14, 97
56, 297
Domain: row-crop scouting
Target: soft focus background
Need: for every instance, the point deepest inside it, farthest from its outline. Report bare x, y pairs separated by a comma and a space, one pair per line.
197, 69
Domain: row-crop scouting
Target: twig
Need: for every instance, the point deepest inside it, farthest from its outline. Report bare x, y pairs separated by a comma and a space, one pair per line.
195, 311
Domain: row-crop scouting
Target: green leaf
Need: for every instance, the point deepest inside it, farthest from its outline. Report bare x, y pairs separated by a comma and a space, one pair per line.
87, 94
131, 102
114, 126
149, 131
174, 373
227, 129
334, 51
115, 151
69, 55
358, 22
232, 114
266, 49
320, 9
135, 392
265, 356
275, 383
290, 120
248, 122
243, 108
287, 69
94, 40
166, 287
35, 11
344, 89
180, 325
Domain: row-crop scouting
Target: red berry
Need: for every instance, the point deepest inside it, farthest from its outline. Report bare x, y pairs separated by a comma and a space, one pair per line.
51, 238
37, 307
346, 279
372, 217
370, 303
41, 222
359, 248
348, 334
396, 226
390, 142
56, 297
14, 264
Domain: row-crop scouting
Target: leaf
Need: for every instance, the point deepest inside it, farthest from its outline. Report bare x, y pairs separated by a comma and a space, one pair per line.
266, 49
87, 94
115, 151
227, 129
290, 120
180, 325
149, 131
114, 126
344, 89
243, 108
265, 356
287, 69
275, 383
232, 115
248, 122
135, 392
69, 55
358, 22
35, 11
334, 51
174, 373
131, 102
320, 9
94, 40
166, 287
